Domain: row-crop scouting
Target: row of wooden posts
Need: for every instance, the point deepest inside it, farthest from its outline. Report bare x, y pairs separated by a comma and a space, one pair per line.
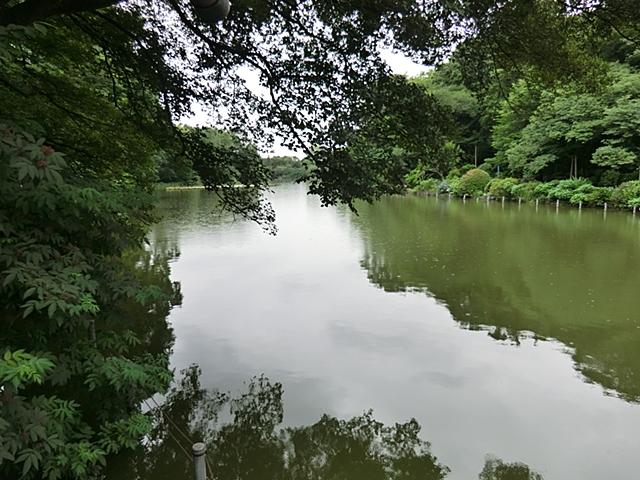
488, 198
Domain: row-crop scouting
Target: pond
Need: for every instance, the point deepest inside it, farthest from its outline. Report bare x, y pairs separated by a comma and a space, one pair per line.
502, 329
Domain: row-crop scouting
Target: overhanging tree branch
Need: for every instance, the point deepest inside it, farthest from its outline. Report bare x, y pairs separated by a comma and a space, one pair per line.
30, 11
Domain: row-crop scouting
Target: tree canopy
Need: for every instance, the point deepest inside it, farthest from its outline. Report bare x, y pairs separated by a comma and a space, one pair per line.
91, 95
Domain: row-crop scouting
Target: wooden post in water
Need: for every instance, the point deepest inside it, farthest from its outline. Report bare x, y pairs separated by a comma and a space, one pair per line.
634, 210
519, 201
557, 205
605, 209
580, 206
199, 451
502, 202
537, 203
464, 198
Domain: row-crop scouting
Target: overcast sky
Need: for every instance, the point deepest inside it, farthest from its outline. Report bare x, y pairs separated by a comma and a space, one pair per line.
398, 63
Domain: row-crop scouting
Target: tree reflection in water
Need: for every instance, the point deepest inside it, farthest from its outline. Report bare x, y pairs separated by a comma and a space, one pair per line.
246, 442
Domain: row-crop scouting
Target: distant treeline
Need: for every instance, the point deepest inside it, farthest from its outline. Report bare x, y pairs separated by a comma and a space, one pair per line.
179, 170
285, 169
514, 124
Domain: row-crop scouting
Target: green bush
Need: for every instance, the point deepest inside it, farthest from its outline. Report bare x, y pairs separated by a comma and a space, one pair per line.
427, 185
590, 195
450, 185
599, 196
472, 183
626, 194
565, 189
502, 187
581, 194
414, 177
542, 189
487, 167
466, 168
525, 190
454, 173
610, 178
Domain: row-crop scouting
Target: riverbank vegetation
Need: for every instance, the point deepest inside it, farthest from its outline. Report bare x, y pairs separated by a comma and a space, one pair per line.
518, 136
285, 169
91, 94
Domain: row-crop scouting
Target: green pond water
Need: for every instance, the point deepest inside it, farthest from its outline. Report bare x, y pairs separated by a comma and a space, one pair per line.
502, 329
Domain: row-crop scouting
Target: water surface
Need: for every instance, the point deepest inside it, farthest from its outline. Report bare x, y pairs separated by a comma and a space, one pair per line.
503, 330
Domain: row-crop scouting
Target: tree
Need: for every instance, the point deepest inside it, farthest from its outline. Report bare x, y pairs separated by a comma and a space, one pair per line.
285, 169
622, 132
469, 128
105, 82
552, 133
316, 102
83, 311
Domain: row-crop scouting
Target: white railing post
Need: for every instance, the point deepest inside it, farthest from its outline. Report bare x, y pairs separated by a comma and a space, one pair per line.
199, 451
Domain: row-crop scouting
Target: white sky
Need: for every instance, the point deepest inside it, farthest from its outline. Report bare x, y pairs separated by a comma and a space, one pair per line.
398, 62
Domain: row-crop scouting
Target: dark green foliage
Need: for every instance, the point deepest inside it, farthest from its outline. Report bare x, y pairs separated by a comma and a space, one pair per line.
590, 195
565, 189
397, 126
175, 169
84, 338
472, 183
285, 169
566, 132
429, 185
502, 187
627, 194
525, 190
230, 167
76, 313
496, 469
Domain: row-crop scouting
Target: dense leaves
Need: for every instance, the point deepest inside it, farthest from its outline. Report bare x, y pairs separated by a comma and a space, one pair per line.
81, 307
106, 82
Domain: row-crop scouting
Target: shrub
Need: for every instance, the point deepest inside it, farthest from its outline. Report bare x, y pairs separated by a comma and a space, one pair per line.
473, 182
626, 194
449, 185
542, 189
590, 195
610, 178
565, 189
443, 186
599, 196
502, 187
581, 194
487, 167
453, 173
466, 168
525, 190
427, 185
414, 177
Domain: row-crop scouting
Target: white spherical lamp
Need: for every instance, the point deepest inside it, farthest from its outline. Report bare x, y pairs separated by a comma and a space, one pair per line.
211, 11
